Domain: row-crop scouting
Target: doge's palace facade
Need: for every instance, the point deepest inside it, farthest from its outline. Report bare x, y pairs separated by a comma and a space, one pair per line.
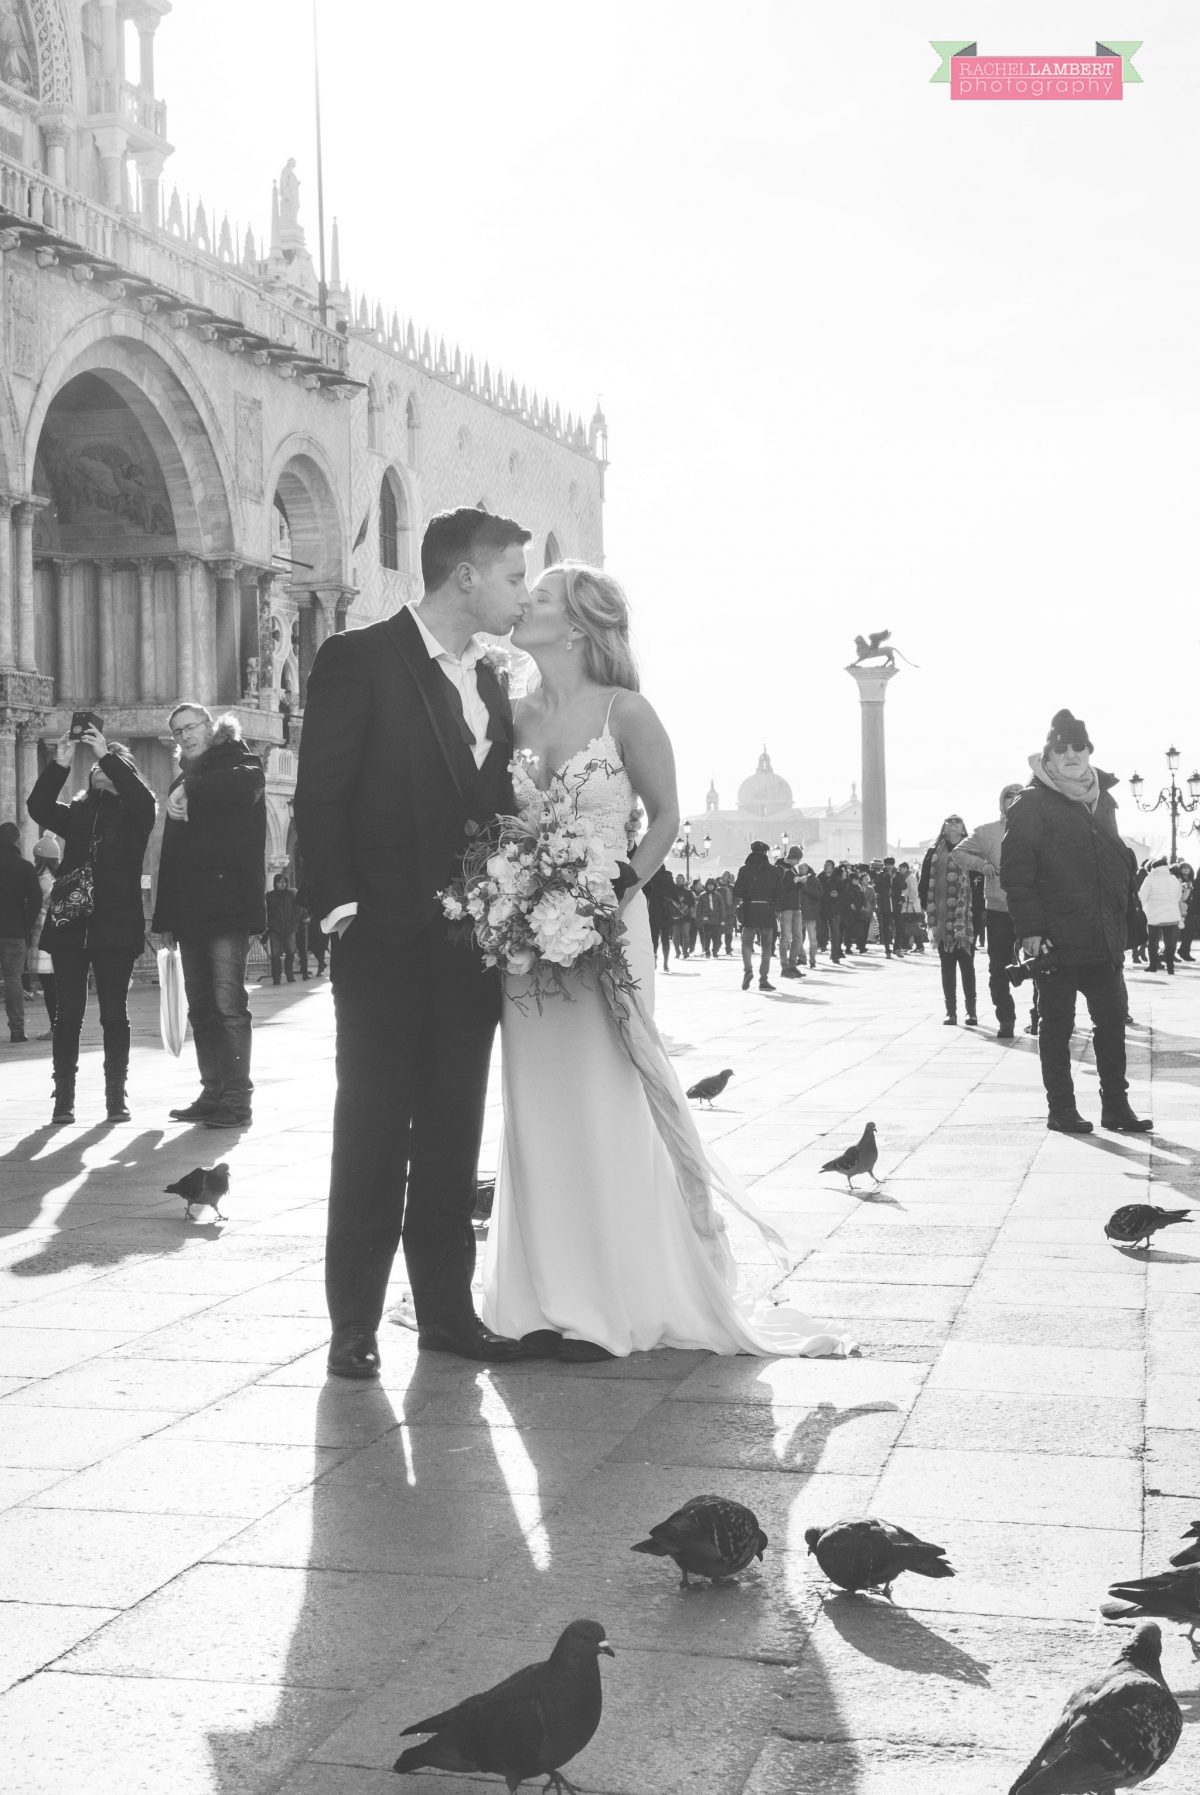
199, 480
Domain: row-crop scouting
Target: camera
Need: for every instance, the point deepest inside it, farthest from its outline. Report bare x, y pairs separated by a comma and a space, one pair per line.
81, 720
1045, 962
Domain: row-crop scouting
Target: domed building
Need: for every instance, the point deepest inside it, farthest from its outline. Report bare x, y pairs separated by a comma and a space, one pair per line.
767, 811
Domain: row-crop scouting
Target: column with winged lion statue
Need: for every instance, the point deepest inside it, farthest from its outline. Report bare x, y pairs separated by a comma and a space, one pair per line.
873, 666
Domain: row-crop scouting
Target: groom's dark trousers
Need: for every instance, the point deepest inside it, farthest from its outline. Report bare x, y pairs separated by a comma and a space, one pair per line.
387, 792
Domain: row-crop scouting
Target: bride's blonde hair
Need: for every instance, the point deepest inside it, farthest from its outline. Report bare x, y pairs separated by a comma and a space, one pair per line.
598, 608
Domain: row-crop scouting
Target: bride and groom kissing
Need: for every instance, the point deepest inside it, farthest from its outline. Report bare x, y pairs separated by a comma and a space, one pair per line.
604, 1237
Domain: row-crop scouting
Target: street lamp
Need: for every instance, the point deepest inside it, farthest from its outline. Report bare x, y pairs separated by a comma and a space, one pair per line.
687, 853
1170, 795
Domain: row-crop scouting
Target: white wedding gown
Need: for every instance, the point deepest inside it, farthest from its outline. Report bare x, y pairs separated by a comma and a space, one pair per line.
591, 1232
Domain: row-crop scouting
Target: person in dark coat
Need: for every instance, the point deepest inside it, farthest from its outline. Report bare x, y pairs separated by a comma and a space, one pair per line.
20, 903
832, 881
810, 911
756, 890
659, 892
1066, 874
108, 824
284, 917
407, 740
210, 899
791, 938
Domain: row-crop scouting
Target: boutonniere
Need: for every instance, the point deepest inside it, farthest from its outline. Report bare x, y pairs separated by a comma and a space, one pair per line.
500, 662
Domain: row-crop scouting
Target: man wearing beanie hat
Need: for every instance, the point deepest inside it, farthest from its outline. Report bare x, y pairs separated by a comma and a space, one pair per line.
1066, 874
756, 891
980, 853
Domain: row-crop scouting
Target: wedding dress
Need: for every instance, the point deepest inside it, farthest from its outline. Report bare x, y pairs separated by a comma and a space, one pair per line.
600, 1230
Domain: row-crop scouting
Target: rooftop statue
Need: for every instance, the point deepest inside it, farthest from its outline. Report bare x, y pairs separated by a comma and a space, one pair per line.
876, 647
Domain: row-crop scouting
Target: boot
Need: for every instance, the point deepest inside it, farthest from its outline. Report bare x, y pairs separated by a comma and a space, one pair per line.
1118, 1117
64, 1099
116, 1069
1067, 1121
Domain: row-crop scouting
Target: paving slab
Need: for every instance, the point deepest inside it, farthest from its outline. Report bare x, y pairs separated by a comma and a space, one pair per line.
1038, 1488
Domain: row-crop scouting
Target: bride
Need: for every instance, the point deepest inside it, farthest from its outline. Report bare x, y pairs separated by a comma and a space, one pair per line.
604, 1238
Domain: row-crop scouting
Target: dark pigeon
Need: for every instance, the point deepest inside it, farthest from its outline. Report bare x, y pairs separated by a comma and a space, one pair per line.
857, 1161
708, 1088
1133, 1224
710, 1536
1172, 1595
202, 1189
529, 1725
1115, 1731
1190, 1554
871, 1554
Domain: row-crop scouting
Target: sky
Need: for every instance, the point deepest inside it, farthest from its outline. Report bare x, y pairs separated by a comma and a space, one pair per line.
870, 357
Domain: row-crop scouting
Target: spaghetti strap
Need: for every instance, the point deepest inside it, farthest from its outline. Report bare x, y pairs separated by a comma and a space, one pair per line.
608, 712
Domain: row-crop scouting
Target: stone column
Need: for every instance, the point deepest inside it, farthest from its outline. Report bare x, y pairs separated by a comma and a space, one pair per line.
147, 24
56, 152
112, 142
872, 683
7, 630
147, 682
28, 734
23, 516
228, 688
110, 60
64, 627
150, 165
185, 646
8, 770
106, 634
202, 627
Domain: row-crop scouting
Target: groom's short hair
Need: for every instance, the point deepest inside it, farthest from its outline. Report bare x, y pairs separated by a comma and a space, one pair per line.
468, 534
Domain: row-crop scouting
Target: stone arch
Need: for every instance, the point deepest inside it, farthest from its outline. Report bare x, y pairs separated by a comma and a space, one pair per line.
395, 522
305, 482
52, 52
146, 370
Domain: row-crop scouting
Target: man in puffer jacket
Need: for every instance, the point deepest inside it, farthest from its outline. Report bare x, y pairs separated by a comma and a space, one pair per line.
756, 890
980, 853
1160, 892
210, 899
1066, 874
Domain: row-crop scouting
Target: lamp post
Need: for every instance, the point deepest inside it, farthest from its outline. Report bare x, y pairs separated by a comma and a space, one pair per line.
1170, 795
687, 853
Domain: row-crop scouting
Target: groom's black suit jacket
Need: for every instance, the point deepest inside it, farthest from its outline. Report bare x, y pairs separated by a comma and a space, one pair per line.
387, 782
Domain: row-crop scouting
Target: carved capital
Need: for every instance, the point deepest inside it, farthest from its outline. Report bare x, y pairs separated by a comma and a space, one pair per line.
81, 272
114, 289
147, 305
10, 240
227, 570
46, 258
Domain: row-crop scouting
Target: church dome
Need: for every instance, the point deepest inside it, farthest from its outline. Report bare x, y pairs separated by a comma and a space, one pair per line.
764, 793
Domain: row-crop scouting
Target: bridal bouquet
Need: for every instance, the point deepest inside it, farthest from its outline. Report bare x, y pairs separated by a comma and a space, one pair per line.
537, 894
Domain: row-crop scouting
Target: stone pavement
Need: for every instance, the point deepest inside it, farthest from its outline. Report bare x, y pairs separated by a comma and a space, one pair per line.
221, 1575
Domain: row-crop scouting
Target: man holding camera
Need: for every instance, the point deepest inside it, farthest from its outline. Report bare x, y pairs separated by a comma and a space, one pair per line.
1065, 872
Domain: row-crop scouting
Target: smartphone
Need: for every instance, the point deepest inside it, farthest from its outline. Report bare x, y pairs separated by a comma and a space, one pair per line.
81, 720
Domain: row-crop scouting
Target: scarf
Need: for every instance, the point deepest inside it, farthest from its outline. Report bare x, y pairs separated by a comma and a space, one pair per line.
950, 920
1084, 788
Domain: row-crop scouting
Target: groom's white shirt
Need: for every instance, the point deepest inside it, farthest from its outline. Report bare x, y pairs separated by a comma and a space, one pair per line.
460, 670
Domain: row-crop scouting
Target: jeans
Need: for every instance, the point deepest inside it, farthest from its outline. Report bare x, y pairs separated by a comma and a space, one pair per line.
790, 937
49, 994
214, 977
808, 935
311, 939
834, 925
283, 957
112, 973
1163, 937
1102, 987
1001, 946
727, 929
711, 931
12, 965
951, 958
766, 941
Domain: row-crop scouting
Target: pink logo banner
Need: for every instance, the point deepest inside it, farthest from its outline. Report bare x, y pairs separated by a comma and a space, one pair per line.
1035, 77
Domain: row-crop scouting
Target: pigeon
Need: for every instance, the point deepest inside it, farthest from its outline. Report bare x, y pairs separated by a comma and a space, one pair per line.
1190, 1554
857, 1159
708, 1088
871, 1554
1134, 1223
710, 1536
1116, 1730
529, 1725
204, 1188
1173, 1595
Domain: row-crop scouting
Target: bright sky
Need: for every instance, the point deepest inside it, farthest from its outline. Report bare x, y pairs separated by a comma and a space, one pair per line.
869, 357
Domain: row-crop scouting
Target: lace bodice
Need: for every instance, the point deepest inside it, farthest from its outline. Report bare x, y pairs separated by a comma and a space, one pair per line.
595, 781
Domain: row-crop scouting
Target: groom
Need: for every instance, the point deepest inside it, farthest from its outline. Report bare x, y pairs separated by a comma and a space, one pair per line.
405, 749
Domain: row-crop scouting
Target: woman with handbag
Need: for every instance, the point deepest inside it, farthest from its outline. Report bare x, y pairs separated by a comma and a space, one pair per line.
94, 920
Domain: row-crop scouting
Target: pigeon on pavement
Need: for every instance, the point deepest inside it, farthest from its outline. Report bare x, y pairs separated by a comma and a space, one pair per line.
529, 1725
710, 1536
1134, 1223
1173, 1595
871, 1554
1190, 1554
203, 1189
708, 1088
858, 1159
1115, 1731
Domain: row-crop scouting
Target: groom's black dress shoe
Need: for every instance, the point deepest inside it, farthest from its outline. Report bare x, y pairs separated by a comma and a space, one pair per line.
353, 1352
470, 1341
546, 1344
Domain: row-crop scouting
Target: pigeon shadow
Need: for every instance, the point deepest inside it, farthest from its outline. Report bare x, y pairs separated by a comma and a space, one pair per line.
1156, 1256
889, 1634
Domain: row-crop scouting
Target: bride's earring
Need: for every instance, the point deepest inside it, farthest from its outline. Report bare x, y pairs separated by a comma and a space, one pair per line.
570, 645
